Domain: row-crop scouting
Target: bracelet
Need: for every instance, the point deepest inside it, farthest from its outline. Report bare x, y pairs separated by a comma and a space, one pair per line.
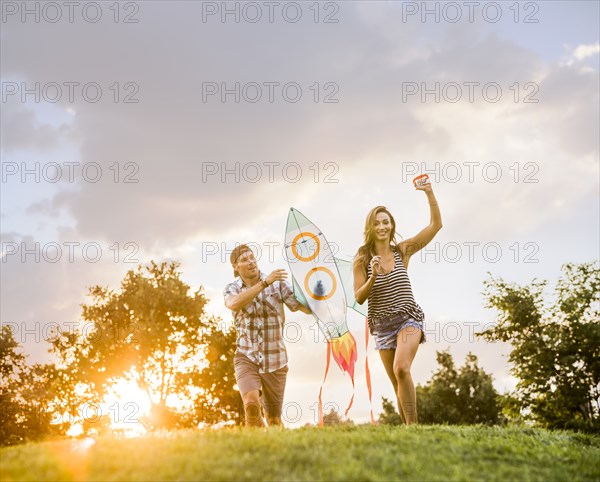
264, 283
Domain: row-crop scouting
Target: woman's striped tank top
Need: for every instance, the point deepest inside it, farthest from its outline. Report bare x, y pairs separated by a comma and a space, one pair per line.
392, 293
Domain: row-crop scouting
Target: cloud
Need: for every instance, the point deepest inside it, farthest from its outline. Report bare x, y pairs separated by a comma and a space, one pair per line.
21, 130
584, 51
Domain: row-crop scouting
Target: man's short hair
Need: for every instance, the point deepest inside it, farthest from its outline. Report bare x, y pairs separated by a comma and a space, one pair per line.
236, 253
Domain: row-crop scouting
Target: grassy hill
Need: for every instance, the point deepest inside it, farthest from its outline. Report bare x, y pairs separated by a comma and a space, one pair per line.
333, 453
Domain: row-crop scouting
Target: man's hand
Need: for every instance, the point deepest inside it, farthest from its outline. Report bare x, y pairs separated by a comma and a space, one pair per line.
277, 275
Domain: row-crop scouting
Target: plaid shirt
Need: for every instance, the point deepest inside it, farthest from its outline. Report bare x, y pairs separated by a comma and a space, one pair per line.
259, 324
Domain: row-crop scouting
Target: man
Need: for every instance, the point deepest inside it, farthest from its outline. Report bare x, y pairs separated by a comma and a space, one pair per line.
260, 359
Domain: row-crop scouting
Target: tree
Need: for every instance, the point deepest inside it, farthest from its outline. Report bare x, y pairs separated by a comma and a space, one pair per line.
466, 396
333, 418
389, 416
437, 401
12, 364
27, 399
149, 331
555, 349
477, 398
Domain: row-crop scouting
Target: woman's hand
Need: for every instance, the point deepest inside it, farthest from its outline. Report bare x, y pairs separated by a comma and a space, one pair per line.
427, 188
376, 267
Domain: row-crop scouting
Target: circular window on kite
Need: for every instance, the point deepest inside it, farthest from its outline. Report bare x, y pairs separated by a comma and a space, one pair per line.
320, 283
306, 246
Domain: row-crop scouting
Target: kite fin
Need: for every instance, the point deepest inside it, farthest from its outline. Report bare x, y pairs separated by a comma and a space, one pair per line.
345, 269
298, 294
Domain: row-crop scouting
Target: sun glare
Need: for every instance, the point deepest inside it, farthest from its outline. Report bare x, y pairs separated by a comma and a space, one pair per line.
127, 404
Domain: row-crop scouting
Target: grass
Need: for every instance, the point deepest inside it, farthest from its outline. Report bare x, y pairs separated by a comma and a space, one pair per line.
334, 453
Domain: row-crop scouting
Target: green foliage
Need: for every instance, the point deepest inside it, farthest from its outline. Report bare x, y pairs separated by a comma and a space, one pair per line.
27, 398
466, 396
389, 415
332, 418
153, 330
555, 349
12, 365
478, 399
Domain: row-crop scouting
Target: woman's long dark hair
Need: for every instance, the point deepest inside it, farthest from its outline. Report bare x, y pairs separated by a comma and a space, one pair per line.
367, 250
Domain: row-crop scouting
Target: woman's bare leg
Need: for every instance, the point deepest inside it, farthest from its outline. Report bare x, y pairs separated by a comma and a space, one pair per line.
387, 357
408, 343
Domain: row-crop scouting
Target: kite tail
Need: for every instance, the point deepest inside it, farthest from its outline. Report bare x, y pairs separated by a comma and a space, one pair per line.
321, 390
367, 371
345, 353
351, 400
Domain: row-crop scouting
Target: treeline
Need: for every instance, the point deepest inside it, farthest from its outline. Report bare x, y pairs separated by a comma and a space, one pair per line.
155, 332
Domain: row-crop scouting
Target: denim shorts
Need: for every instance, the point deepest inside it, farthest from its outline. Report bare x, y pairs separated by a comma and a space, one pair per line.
385, 330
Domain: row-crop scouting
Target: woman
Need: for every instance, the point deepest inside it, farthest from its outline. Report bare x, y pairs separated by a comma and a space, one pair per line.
395, 320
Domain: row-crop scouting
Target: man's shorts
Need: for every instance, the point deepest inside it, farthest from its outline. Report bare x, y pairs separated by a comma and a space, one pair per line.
270, 385
385, 330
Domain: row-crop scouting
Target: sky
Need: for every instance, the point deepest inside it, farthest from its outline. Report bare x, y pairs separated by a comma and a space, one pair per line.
151, 130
